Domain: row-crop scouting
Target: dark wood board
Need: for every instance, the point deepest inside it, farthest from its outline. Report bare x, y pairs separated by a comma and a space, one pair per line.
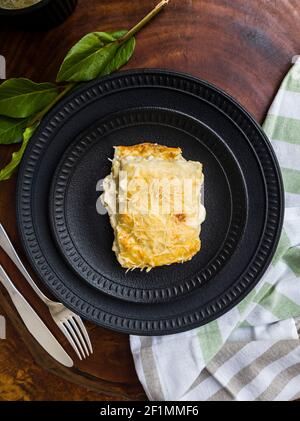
244, 47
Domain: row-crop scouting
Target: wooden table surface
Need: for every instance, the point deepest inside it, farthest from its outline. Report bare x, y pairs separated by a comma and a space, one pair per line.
244, 47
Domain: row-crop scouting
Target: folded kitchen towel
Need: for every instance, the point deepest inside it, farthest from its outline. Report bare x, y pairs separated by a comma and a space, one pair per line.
253, 351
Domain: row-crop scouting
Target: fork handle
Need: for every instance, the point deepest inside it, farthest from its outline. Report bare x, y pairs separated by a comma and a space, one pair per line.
9, 249
6, 282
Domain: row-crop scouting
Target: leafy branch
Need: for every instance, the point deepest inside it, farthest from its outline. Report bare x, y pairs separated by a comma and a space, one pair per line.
23, 103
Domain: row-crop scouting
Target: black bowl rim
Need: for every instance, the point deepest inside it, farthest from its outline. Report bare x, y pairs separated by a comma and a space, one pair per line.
25, 10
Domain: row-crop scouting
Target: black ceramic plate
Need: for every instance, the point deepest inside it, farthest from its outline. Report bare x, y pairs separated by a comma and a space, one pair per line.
243, 195
85, 237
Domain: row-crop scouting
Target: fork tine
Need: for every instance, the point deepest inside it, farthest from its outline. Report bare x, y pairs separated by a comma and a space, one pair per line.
79, 334
73, 333
69, 337
84, 332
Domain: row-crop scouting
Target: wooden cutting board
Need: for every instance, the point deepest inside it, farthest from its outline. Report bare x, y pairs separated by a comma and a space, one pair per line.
243, 47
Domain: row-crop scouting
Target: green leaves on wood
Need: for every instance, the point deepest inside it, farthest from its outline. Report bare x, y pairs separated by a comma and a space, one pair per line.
7, 171
11, 130
24, 103
96, 54
21, 98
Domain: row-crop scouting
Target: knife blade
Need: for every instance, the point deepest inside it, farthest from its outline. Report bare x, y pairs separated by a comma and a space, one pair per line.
34, 323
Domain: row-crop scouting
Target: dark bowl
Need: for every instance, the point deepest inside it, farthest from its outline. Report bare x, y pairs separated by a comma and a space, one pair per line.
40, 16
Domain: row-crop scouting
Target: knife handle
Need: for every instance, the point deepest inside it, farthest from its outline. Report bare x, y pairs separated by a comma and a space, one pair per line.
34, 323
9, 249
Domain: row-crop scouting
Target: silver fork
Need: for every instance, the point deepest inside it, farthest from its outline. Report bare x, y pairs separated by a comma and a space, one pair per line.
68, 322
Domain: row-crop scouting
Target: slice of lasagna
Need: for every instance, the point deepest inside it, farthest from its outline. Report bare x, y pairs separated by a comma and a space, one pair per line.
153, 197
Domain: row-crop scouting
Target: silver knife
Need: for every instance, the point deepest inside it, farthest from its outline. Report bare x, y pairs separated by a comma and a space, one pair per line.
34, 323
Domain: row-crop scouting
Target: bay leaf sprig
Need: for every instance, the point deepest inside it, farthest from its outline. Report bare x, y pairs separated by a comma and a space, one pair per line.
24, 103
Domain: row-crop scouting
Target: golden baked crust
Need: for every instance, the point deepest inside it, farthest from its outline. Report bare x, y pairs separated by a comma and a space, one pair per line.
144, 150
152, 226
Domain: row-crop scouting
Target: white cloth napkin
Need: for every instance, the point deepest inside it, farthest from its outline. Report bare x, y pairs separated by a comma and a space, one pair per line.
253, 351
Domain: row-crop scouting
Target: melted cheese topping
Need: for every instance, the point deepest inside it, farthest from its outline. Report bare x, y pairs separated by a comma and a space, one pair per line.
158, 212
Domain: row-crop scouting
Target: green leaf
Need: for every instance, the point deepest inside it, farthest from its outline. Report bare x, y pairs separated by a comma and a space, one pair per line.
96, 54
122, 56
107, 37
11, 130
8, 171
86, 59
20, 98
118, 34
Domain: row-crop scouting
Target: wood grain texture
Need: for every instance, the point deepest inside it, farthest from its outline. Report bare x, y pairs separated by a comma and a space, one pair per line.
244, 47
21, 378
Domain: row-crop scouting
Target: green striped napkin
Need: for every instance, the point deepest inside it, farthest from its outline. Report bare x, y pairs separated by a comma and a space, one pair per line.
253, 351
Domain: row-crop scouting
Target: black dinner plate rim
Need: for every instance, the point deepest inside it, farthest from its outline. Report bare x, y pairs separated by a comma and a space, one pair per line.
149, 327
